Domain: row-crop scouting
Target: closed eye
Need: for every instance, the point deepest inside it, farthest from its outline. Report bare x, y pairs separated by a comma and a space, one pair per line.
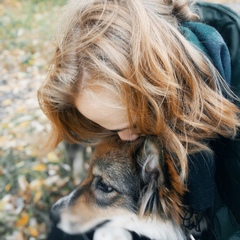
123, 129
100, 185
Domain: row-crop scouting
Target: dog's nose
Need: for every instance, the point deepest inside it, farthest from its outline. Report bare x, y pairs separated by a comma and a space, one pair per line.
55, 213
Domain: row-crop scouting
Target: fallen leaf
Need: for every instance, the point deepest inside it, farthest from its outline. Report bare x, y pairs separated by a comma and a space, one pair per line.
39, 167
23, 220
23, 183
52, 157
37, 184
37, 196
33, 231
8, 187
6, 102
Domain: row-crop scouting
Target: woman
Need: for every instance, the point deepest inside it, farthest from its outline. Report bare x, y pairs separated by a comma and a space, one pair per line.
143, 67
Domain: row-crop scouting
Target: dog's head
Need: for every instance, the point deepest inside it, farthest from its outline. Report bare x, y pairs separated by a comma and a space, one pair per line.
125, 181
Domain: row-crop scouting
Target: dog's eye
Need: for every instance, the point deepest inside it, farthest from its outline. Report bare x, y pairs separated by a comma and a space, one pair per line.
104, 187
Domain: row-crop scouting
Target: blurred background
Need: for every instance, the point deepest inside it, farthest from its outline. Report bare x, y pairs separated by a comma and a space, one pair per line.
30, 181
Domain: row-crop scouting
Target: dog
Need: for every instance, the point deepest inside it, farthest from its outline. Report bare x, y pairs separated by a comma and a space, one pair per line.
130, 186
77, 156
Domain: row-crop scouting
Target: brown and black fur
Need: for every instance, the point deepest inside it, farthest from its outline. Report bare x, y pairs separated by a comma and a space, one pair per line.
129, 184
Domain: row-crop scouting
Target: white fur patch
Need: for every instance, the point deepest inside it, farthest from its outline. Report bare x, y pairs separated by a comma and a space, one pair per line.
153, 228
111, 233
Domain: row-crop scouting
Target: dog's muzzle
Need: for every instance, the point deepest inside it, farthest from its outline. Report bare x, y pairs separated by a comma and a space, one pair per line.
57, 208
55, 214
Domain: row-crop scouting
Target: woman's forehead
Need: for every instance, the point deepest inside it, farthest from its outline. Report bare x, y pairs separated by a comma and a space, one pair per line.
101, 94
103, 107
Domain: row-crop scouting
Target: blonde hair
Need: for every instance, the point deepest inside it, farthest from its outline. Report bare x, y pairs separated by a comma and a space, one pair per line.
136, 47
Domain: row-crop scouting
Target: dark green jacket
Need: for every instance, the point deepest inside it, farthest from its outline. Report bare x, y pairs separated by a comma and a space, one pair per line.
219, 173
227, 23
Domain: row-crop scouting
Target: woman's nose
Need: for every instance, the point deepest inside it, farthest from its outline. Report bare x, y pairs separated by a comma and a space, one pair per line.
127, 135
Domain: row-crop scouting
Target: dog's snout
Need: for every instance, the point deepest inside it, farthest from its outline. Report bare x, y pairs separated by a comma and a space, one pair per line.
55, 213
59, 206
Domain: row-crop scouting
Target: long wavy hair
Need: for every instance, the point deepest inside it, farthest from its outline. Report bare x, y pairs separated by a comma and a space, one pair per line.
135, 48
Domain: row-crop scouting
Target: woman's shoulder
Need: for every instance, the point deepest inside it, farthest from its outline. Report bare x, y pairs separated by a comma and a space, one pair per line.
227, 22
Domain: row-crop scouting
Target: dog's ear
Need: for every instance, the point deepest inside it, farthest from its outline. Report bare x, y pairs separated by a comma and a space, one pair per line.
152, 161
161, 185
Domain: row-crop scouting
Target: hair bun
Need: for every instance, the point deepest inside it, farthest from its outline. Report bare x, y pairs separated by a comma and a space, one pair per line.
182, 10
